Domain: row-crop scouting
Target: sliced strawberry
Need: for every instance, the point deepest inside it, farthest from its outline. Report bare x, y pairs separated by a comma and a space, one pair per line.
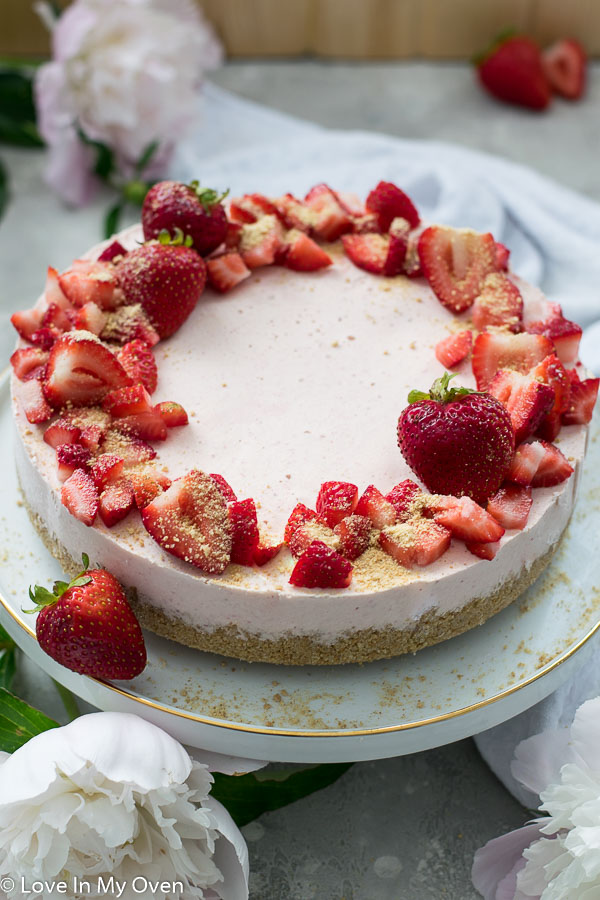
551, 371
137, 359
62, 432
550, 426
452, 350
321, 567
172, 414
412, 261
34, 402
502, 257
130, 323
306, 534
483, 550
539, 464
299, 515
146, 486
252, 207
564, 65
418, 542
376, 508
93, 424
81, 370
127, 401
401, 497
303, 254
351, 204
116, 501
510, 506
388, 202
106, 469
131, 449
331, 220
27, 322
366, 224
497, 350
91, 280
244, 531
190, 521
146, 426
354, 533
112, 251
467, 520
336, 500
29, 362
80, 495
225, 271
582, 400
294, 213
527, 400
44, 338
261, 241
225, 488
56, 319
263, 555
455, 262
498, 305
70, 457
91, 318
234, 233
53, 292
376, 253
565, 336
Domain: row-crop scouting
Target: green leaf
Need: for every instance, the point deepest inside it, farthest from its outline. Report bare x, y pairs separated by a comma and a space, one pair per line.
18, 116
6, 642
145, 157
105, 160
248, 796
19, 722
3, 189
111, 219
8, 667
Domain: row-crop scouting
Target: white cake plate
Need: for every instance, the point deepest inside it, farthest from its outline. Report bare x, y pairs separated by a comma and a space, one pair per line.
335, 713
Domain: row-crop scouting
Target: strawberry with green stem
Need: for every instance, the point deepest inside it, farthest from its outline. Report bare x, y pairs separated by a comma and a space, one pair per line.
197, 211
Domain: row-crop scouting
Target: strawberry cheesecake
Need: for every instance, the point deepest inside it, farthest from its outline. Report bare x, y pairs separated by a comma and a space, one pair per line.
300, 431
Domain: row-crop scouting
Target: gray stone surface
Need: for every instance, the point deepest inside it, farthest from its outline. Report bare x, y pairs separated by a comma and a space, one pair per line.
400, 829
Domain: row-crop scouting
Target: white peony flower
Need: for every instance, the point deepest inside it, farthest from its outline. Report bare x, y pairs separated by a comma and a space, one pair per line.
126, 73
558, 856
110, 794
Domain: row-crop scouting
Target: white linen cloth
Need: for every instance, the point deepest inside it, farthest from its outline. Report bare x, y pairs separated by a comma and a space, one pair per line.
553, 234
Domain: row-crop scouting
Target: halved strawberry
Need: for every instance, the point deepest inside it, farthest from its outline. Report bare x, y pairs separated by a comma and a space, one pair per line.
527, 400
147, 486
27, 322
388, 202
499, 304
132, 408
483, 550
116, 501
130, 323
375, 507
467, 520
70, 457
299, 515
137, 359
251, 207
53, 292
91, 280
29, 362
145, 426
225, 488
190, 521
539, 464
225, 271
106, 469
455, 262
173, 414
260, 242
35, 406
62, 432
314, 530
303, 254
81, 370
565, 335
263, 555
336, 499
376, 253
57, 319
245, 537
330, 219
564, 65
497, 350
451, 351
80, 496
510, 506
91, 318
417, 542
354, 533
113, 250
321, 567
402, 495
551, 371
582, 400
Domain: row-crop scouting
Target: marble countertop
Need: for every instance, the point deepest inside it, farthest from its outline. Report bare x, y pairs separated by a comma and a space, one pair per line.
397, 829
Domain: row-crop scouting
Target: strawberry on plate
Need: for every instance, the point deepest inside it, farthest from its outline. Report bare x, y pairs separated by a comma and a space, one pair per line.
497, 350
539, 464
388, 202
499, 304
321, 567
336, 500
190, 521
417, 542
565, 63
166, 279
455, 262
457, 441
81, 370
87, 625
451, 351
226, 270
513, 71
198, 212
510, 506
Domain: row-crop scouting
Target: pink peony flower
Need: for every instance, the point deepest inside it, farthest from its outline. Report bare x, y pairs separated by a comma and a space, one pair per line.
126, 73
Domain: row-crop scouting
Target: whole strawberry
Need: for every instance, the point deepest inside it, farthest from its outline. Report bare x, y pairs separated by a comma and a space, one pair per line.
513, 70
166, 277
456, 440
197, 211
88, 626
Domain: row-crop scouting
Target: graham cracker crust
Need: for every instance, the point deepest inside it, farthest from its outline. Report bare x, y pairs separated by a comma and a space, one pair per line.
361, 646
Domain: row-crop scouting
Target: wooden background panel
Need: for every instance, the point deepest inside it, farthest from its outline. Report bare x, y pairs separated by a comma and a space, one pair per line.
262, 27
461, 28
362, 29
